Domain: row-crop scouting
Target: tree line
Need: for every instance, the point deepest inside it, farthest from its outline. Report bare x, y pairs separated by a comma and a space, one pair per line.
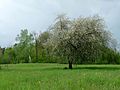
83, 40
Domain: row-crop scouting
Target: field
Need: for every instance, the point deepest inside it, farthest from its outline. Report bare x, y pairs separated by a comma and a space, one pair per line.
55, 77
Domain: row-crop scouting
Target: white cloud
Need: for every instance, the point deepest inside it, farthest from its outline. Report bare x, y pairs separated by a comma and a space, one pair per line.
36, 15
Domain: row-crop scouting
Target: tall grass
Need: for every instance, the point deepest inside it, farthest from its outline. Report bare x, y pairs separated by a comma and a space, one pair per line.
55, 77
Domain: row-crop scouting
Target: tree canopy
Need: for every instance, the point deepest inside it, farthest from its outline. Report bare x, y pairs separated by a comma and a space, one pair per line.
83, 37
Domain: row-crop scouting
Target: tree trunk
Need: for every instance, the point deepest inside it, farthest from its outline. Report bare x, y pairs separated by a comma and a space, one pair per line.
70, 65
36, 47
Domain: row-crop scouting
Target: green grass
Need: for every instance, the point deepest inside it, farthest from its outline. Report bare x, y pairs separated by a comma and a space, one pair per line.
54, 77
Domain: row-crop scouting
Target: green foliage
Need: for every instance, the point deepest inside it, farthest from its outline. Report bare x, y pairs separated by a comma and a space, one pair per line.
110, 57
8, 56
24, 46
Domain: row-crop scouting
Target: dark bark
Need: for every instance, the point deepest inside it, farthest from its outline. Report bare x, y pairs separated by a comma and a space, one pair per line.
36, 47
3, 51
70, 65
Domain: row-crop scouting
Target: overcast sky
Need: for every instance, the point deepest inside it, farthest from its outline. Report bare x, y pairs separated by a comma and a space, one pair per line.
38, 15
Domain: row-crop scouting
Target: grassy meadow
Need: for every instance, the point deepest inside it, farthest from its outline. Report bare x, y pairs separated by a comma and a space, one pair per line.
55, 77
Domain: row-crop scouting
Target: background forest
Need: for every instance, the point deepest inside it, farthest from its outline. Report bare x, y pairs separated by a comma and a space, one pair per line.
83, 40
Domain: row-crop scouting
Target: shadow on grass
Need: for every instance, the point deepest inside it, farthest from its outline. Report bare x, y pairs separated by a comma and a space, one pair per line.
86, 67
79, 67
99, 68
